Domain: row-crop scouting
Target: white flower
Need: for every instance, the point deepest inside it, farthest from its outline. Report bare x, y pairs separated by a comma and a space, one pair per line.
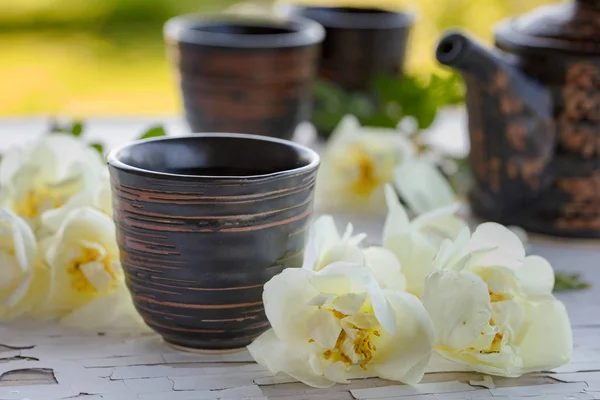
17, 265
46, 175
325, 246
415, 243
422, 186
357, 163
492, 307
83, 258
96, 194
328, 325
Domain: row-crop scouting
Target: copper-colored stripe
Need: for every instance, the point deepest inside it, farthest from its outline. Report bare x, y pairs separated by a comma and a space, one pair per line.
216, 217
207, 230
230, 319
132, 266
150, 259
203, 289
177, 329
151, 311
137, 285
172, 280
163, 195
131, 197
199, 306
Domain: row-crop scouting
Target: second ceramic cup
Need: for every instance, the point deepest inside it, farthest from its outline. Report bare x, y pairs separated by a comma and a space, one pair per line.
242, 74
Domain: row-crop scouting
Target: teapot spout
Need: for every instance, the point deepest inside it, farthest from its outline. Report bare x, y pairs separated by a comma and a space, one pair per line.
458, 51
510, 126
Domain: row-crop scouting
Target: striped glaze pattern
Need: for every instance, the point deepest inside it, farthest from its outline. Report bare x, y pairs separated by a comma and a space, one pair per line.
197, 251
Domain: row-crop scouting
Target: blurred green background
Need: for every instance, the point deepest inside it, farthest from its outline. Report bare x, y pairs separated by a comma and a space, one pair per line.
106, 57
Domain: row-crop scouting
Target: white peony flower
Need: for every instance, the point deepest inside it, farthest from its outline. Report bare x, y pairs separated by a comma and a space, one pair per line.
357, 163
83, 258
325, 246
415, 243
422, 186
492, 307
46, 175
328, 325
18, 284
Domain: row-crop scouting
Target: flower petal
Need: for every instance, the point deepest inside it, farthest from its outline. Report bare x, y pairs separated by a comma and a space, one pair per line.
97, 275
416, 255
404, 356
290, 357
324, 328
458, 303
422, 186
285, 298
323, 235
536, 276
341, 252
397, 220
548, 343
350, 303
385, 268
506, 247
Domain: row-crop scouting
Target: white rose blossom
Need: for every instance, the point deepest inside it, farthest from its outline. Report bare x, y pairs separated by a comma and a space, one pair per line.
357, 163
86, 281
338, 323
492, 307
415, 243
46, 175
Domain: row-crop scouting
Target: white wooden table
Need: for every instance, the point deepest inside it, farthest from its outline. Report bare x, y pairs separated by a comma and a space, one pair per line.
43, 361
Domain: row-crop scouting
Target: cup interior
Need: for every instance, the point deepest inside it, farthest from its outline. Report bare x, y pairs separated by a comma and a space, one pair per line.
241, 28
214, 155
244, 31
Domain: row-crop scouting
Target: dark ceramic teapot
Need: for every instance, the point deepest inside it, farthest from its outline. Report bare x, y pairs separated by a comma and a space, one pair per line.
534, 119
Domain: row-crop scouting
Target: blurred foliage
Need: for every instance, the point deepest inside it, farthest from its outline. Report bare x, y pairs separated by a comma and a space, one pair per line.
388, 101
95, 57
564, 282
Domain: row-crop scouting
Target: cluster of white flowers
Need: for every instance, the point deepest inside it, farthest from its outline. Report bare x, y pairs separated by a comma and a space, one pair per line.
473, 298
60, 258
359, 161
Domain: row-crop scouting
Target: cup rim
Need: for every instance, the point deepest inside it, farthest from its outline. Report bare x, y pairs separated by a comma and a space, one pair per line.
341, 17
303, 31
113, 160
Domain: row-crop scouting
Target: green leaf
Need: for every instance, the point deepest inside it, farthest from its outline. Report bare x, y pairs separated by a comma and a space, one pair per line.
77, 128
155, 131
98, 146
74, 128
564, 282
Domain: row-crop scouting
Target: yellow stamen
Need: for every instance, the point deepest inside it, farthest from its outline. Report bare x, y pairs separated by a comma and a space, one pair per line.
367, 181
79, 281
37, 201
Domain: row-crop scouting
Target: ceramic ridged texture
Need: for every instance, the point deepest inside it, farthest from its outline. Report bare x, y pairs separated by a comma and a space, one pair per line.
197, 254
257, 91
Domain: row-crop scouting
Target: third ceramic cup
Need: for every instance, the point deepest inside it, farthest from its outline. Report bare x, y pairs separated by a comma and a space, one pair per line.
243, 74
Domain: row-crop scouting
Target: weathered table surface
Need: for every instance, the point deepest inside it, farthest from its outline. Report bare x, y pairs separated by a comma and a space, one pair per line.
43, 361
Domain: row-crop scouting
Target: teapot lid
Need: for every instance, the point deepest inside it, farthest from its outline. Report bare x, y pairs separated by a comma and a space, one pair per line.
572, 27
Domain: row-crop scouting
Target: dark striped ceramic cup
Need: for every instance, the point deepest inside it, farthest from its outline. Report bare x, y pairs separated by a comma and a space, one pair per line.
244, 74
203, 222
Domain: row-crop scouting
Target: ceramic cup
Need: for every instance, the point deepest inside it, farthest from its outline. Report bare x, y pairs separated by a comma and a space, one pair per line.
359, 43
242, 74
203, 222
